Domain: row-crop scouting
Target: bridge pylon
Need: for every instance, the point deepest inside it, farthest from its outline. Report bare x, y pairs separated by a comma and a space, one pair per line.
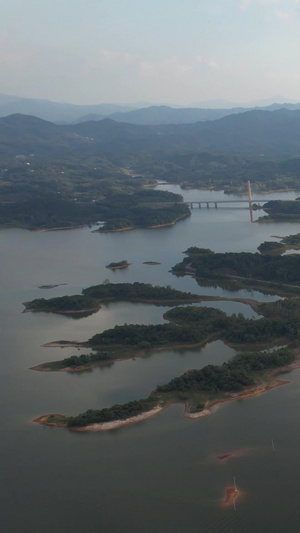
249, 194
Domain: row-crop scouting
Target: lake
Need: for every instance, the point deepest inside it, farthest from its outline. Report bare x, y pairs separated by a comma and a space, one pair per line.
160, 475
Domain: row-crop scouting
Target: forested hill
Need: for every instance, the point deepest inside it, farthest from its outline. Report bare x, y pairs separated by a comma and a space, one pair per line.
275, 134
253, 132
25, 134
139, 113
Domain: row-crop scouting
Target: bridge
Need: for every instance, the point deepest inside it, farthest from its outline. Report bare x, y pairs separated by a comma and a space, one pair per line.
208, 203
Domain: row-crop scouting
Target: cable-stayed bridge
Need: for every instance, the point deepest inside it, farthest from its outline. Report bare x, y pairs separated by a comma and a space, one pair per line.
192, 204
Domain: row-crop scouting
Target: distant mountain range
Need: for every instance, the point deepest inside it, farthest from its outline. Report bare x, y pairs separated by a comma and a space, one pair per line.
270, 133
55, 111
142, 114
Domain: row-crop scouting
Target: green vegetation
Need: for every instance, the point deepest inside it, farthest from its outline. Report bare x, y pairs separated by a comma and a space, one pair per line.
242, 371
282, 210
137, 291
271, 248
133, 208
190, 326
195, 386
194, 250
120, 264
148, 336
214, 266
63, 176
91, 297
64, 304
116, 412
76, 361
291, 242
234, 329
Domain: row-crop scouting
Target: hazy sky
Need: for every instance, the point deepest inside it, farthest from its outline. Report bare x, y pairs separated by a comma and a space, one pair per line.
176, 51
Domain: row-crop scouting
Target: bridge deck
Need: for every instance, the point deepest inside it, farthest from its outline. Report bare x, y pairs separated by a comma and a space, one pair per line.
226, 201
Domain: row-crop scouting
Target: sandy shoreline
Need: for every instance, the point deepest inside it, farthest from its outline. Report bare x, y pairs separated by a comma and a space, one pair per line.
104, 426
250, 392
209, 408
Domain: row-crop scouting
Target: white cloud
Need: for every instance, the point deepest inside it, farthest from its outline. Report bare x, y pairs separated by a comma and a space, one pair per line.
285, 16
109, 57
213, 64
244, 4
12, 53
285, 7
170, 66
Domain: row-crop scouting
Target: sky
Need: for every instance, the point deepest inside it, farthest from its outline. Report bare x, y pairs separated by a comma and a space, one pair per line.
158, 51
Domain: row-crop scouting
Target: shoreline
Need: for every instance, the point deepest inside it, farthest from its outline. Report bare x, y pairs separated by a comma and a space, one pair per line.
209, 407
142, 353
67, 312
102, 426
128, 228
263, 387
166, 302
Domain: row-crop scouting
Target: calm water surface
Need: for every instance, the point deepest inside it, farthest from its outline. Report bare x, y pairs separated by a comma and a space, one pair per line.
160, 475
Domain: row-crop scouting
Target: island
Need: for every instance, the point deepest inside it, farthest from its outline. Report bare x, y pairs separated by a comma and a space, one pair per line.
281, 211
66, 305
290, 242
91, 298
243, 376
247, 374
188, 327
280, 274
118, 266
52, 286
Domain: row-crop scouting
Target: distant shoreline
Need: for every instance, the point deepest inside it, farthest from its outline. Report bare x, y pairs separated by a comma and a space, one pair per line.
128, 228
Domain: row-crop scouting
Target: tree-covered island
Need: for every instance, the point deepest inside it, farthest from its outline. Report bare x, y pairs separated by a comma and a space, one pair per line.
77, 304
281, 273
91, 297
242, 376
188, 327
119, 208
281, 211
290, 242
118, 265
